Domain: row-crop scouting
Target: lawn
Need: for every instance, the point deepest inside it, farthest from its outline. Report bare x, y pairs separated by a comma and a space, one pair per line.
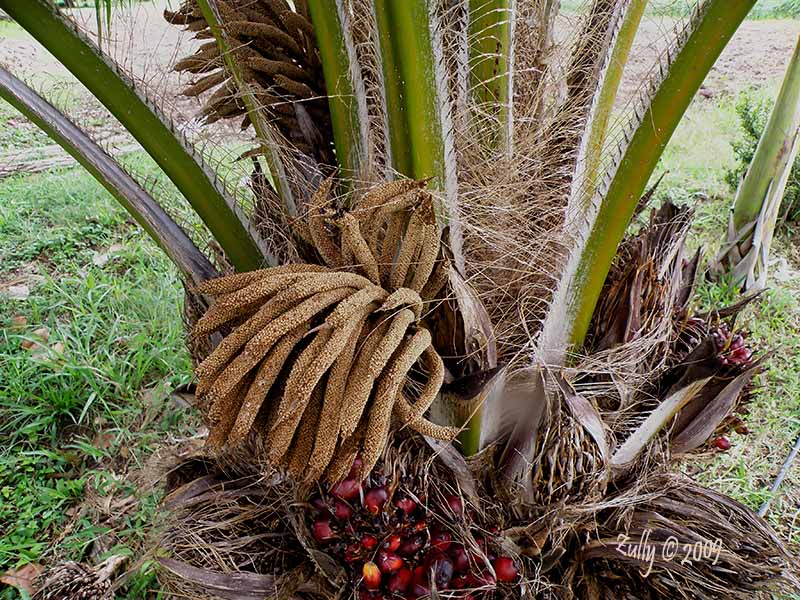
91, 353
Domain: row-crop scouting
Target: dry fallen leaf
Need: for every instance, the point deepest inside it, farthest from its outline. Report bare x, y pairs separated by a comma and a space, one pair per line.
24, 578
42, 334
18, 321
100, 259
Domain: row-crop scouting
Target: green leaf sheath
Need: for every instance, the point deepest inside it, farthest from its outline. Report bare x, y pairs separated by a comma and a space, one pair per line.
490, 25
336, 64
192, 263
118, 94
598, 128
411, 99
717, 23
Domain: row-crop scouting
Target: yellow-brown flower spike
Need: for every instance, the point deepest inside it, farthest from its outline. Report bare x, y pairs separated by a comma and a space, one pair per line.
316, 359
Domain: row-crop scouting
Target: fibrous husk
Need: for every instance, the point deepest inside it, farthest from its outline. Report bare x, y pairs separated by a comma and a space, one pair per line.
669, 537
322, 360
80, 582
274, 47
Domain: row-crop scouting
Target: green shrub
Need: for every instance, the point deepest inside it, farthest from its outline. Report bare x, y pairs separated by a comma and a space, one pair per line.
753, 109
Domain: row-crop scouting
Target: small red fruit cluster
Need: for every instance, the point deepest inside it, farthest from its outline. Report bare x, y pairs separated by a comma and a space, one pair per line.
398, 547
731, 348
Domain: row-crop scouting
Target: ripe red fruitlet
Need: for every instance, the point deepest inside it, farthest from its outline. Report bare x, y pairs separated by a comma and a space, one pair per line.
322, 531
341, 510
455, 504
369, 541
346, 489
392, 543
459, 582
505, 569
412, 546
460, 558
420, 590
400, 581
389, 562
441, 540
372, 575
722, 443
406, 504
375, 498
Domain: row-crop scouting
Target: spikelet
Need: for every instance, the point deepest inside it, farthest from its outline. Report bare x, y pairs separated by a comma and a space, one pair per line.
408, 250
327, 433
357, 248
303, 443
371, 361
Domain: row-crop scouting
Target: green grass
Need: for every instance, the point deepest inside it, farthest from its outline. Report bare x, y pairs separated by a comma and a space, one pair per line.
75, 425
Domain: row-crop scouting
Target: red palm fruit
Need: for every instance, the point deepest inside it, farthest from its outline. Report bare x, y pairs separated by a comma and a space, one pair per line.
392, 543
506, 569
443, 573
347, 489
369, 541
322, 531
400, 581
441, 540
412, 546
389, 562
352, 553
419, 575
342, 510
375, 498
459, 582
372, 575
455, 504
460, 558
406, 504
722, 443
421, 525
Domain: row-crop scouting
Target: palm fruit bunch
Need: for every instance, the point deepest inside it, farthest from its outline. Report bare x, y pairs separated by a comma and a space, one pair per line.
715, 350
273, 45
323, 360
398, 543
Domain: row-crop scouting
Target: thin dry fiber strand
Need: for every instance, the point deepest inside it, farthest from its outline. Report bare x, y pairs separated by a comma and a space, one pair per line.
322, 357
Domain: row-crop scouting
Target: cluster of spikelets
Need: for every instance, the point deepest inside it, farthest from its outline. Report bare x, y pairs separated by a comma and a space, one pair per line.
320, 360
275, 50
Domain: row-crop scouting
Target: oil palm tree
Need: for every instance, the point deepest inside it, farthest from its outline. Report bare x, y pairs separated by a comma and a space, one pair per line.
440, 367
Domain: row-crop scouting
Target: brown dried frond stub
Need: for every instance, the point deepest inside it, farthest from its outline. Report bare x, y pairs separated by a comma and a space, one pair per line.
275, 49
318, 360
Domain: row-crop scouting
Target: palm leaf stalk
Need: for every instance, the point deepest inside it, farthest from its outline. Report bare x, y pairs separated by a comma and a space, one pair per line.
745, 253
146, 124
192, 263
